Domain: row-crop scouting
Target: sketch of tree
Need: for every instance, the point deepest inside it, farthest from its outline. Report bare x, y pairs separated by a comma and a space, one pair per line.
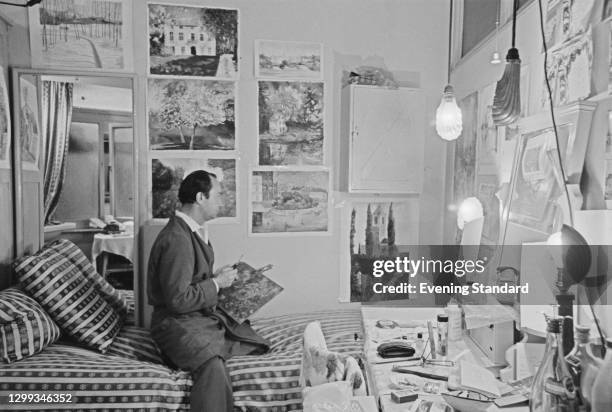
205, 107
369, 234
391, 232
352, 233
282, 103
171, 114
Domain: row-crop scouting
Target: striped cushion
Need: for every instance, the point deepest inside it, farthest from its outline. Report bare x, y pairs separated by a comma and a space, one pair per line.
25, 327
136, 343
67, 296
77, 257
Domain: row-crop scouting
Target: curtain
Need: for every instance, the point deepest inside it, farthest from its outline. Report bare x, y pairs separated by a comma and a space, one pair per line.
56, 119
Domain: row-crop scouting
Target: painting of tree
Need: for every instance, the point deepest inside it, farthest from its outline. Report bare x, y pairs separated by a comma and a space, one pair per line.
193, 41
290, 123
86, 34
168, 173
191, 115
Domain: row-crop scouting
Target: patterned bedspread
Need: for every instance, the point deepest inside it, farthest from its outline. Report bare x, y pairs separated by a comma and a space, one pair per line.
129, 377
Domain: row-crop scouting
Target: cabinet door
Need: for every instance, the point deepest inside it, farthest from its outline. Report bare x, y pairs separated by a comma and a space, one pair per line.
387, 132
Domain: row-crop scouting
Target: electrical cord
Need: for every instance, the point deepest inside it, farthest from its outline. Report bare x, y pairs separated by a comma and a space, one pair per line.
552, 115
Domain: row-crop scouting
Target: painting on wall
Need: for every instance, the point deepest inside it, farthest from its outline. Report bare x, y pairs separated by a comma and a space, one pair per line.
84, 34
290, 123
378, 229
193, 41
608, 183
487, 130
566, 19
288, 60
285, 202
537, 186
191, 114
465, 150
5, 124
487, 194
29, 126
168, 173
569, 72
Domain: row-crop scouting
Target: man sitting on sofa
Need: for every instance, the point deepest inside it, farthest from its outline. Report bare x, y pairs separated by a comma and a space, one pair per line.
189, 328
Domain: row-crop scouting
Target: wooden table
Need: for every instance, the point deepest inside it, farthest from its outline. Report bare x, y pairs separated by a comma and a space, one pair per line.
380, 374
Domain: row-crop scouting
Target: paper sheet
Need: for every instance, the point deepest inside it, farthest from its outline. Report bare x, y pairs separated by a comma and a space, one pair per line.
477, 316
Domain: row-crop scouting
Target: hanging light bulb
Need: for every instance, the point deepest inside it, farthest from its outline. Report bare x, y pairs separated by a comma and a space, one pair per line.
449, 121
496, 58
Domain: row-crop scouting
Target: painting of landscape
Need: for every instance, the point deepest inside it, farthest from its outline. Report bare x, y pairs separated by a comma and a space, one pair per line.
287, 201
288, 60
379, 229
191, 114
290, 123
89, 34
193, 41
168, 173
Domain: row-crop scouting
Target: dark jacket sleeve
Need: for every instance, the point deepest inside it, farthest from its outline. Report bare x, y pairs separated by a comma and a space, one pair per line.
175, 269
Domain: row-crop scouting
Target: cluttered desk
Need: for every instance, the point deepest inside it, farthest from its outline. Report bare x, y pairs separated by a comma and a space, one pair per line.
431, 374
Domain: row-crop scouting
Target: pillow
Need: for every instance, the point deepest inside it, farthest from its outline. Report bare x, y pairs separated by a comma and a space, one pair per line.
67, 296
75, 255
25, 327
135, 343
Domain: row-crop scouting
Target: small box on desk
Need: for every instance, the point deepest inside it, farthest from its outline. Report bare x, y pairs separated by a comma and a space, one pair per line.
493, 340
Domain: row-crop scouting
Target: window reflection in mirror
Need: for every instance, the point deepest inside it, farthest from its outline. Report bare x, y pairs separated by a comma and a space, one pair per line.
99, 165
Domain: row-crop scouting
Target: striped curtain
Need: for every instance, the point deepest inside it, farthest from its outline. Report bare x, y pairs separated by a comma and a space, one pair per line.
56, 119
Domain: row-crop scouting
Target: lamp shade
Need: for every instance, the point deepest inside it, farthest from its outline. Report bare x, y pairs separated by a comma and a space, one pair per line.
570, 250
470, 209
449, 121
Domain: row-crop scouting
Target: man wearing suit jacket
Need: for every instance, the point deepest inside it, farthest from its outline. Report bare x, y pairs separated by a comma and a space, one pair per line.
182, 287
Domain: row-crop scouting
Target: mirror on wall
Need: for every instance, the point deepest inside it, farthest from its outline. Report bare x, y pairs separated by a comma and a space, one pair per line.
76, 160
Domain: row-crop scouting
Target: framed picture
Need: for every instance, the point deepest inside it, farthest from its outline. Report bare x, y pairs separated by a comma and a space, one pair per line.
566, 19
282, 60
5, 124
465, 150
537, 186
607, 183
83, 34
487, 187
193, 41
191, 114
487, 130
569, 72
374, 228
291, 123
30, 133
167, 173
286, 202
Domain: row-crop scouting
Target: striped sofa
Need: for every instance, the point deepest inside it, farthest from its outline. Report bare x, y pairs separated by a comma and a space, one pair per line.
131, 376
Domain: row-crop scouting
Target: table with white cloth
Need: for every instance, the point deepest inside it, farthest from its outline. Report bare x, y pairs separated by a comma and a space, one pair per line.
121, 244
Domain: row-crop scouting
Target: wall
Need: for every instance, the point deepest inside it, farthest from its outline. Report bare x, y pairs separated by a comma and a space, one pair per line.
396, 33
474, 72
6, 190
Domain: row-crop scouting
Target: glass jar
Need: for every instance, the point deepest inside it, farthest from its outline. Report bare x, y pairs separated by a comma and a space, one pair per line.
583, 364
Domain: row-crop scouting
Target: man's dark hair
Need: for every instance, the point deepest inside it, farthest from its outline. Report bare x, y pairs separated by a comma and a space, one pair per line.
194, 183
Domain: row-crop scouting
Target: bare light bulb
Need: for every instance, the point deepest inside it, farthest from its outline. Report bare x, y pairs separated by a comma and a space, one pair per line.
449, 122
470, 209
496, 58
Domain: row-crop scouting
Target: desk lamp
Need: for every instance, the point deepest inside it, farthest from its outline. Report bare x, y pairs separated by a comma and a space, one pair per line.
572, 256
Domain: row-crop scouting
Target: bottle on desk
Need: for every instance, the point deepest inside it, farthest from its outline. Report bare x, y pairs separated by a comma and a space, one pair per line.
583, 364
442, 329
453, 311
419, 345
601, 396
553, 388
